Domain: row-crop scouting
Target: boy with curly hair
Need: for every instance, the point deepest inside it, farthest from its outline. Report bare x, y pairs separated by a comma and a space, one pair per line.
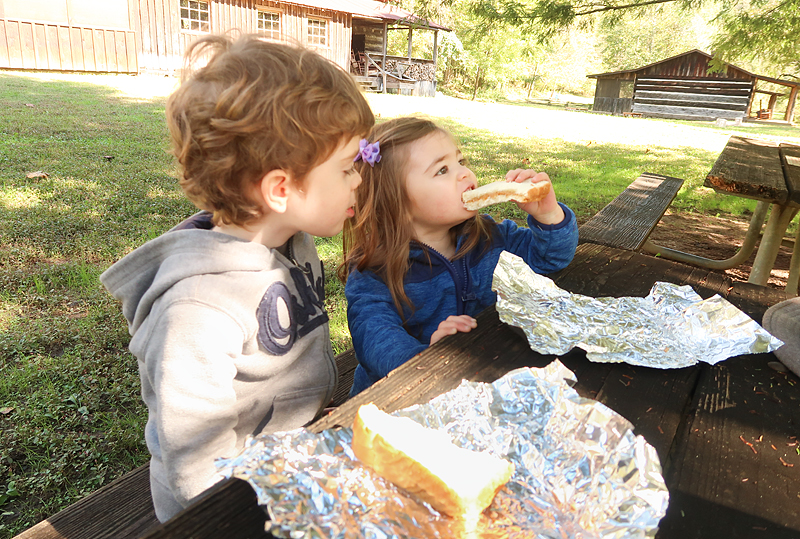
226, 310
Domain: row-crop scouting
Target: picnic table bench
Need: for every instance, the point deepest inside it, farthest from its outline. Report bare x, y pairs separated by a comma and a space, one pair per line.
627, 221
713, 427
768, 172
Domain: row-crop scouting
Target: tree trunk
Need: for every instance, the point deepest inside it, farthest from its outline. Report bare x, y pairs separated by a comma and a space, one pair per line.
477, 79
533, 79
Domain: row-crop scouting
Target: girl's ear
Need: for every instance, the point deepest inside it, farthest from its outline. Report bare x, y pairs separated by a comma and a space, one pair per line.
274, 190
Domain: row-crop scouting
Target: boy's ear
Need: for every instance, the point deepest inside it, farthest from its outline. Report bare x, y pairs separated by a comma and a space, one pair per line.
274, 189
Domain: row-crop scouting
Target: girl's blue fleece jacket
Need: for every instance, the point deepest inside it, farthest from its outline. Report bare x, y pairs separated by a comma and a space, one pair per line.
439, 288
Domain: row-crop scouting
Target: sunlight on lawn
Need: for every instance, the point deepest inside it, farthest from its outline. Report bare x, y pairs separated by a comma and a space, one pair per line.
136, 87
18, 199
580, 127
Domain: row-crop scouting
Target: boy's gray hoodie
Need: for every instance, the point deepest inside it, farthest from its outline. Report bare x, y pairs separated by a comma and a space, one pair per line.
232, 339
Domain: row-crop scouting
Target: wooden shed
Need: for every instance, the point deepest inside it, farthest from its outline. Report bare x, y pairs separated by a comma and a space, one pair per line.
682, 87
135, 36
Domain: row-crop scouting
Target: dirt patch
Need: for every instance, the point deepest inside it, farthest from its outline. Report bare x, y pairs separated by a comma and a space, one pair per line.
716, 238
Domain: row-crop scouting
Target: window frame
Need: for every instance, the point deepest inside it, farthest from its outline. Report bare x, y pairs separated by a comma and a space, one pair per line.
309, 35
259, 31
207, 22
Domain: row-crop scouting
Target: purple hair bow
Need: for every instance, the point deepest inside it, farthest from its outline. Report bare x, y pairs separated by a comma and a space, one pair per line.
370, 153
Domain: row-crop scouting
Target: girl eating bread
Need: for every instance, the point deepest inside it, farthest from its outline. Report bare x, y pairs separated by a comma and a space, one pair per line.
418, 264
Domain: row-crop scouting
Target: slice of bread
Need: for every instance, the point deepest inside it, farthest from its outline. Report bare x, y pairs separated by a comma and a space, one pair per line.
455, 481
503, 191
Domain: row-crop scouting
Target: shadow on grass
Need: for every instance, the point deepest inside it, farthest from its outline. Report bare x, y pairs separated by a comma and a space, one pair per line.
110, 183
586, 177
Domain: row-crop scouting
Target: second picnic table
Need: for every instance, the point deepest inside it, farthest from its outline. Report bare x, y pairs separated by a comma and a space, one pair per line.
768, 172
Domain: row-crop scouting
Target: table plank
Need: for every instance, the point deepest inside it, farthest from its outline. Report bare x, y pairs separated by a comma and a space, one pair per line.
229, 510
790, 158
714, 476
749, 168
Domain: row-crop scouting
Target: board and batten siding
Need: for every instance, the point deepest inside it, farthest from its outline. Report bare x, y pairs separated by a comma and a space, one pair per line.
162, 42
696, 99
51, 46
67, 35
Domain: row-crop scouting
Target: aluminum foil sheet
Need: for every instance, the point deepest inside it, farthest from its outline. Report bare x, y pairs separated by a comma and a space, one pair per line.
672, 327
580, 471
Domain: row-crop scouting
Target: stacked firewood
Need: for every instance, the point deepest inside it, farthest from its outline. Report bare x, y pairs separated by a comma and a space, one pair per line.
422, 72
415, 71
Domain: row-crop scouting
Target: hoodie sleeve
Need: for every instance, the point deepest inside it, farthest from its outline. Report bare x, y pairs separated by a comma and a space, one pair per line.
546, 248
380, 341
190, 366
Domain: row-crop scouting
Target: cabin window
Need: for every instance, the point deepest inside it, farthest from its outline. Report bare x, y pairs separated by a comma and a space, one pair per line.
317, 32
269, 24
194, 15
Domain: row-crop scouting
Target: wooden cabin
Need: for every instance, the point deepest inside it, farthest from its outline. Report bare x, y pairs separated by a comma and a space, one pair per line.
138, 36
682, 87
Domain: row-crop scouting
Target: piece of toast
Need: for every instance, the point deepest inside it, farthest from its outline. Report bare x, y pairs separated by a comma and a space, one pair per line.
455, 481
503, 191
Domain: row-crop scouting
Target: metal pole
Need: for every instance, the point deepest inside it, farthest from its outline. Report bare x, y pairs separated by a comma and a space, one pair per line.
779, 219
744, 252
794, 268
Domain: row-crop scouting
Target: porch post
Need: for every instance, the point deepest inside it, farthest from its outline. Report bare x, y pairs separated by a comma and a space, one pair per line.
410, 38
383, 60
790, 106
752, 98
435, 47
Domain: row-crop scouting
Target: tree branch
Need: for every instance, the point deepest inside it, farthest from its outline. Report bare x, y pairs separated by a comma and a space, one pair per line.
626, 6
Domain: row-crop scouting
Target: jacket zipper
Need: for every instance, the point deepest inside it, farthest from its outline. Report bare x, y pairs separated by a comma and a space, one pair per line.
306, 270
464, 294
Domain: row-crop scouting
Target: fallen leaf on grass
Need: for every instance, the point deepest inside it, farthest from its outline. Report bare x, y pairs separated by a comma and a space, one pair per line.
36, 175
7, 410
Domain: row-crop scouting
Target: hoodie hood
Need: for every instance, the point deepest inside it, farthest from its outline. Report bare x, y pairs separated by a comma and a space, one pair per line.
145, 274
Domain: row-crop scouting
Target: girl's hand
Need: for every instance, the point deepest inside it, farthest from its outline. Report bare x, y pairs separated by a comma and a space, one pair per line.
452, 325
546, 211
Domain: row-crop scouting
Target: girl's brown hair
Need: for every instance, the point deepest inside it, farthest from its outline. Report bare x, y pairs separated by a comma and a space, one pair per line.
377, 238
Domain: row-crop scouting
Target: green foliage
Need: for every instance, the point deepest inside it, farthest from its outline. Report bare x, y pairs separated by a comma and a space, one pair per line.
486, 55
766, 30
633, 39
523, 38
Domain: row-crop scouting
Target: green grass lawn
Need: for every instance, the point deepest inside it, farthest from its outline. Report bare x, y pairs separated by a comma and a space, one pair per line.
70, 410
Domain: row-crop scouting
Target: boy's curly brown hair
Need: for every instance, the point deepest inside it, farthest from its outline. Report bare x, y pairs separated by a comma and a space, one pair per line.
255, 107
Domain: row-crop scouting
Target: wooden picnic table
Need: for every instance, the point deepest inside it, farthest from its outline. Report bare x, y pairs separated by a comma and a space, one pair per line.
726, 434
768, 172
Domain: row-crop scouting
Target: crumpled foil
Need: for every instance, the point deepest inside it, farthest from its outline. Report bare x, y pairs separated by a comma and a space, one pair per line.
580, 470
672, 327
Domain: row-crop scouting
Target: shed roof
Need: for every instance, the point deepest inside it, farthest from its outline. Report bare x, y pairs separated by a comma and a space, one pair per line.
371, 9
695, 51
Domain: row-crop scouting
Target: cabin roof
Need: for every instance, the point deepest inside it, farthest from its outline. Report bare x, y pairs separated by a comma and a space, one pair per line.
372, 9
695, 52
